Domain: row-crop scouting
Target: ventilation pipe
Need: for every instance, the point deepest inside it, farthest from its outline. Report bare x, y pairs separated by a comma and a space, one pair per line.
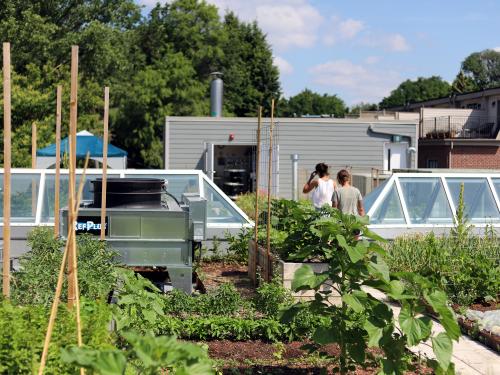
216, 91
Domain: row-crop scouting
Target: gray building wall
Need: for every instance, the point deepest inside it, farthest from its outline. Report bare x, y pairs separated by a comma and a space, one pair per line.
337, 142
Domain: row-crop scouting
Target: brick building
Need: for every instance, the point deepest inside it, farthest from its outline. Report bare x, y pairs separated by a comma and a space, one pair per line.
460, 131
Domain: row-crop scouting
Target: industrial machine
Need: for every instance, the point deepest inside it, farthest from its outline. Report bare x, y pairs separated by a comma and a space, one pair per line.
147, 226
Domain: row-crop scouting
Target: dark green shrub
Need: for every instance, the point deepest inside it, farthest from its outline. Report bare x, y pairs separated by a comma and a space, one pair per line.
36, 282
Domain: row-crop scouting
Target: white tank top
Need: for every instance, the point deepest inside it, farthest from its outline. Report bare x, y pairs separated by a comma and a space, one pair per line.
323, 193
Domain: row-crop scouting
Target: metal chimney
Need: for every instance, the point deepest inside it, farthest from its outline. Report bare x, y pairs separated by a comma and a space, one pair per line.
216, 92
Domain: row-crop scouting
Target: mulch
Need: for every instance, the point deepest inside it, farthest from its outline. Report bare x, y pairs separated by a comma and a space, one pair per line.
214, 274
258, 357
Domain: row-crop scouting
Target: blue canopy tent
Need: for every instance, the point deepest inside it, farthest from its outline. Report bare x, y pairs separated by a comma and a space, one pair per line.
85, 142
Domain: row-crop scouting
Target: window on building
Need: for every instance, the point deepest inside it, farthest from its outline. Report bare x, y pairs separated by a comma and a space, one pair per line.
432, 163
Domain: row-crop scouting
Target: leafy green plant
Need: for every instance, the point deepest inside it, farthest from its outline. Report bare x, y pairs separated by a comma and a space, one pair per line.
225, 300
272, 297
145, 355
362, 321
139, 304
22, 332
247, 203
36, 281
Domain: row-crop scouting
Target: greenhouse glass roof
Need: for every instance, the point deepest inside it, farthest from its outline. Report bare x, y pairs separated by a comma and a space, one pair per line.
424, 202
32, 195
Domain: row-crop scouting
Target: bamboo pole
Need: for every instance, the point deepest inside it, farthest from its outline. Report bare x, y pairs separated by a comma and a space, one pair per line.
72, 167
57, 181
6, 167
33, 166
257, 181
269, 180
104, 163
72, 214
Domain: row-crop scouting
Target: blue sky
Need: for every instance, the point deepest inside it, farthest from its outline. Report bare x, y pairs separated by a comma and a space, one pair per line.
362, 49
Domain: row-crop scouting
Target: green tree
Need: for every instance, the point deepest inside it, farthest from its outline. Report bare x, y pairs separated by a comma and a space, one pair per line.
416, 91
482, 69
168, 87
358, 108
308, 102
463, 84
250, 78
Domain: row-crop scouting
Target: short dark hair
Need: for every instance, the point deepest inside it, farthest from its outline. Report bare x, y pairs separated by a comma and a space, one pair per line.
343, 176
321, 169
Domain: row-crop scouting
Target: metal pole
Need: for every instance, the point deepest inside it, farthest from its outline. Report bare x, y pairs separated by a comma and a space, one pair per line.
269, 180
33, 166
6, 168
257, 182
295, 180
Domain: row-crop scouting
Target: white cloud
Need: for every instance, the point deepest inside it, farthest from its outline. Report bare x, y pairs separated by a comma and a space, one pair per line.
370, 60
288, 23
389, 42
497, 49
397, 43
341, 30
360, 82
350, 28
283, 66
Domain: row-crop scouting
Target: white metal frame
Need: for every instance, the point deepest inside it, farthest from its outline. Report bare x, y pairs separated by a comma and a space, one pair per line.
442, 176
202, 178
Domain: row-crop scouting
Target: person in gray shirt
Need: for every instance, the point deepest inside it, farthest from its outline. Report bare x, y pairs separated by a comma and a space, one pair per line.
347, 198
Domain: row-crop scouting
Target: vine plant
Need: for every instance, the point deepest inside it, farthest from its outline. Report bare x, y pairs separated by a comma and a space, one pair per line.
361, 321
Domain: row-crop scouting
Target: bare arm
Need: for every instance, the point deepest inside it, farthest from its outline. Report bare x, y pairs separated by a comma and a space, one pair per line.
361, 208
310, 184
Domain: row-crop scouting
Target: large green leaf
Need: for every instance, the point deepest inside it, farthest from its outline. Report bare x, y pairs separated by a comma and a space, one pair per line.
379, 269
325, 335
443, 348
415, 329
357, 350
110, 362
375, 331
357, 300
357, 252
438, 301
305, 278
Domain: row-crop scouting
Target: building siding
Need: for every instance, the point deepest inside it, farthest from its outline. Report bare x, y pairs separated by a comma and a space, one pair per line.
337, 142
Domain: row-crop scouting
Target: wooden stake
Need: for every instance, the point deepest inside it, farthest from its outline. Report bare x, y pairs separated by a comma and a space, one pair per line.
57, 181
72, 167
257, 181
72, 213
33, 166
269, 180
104, 163
6, 168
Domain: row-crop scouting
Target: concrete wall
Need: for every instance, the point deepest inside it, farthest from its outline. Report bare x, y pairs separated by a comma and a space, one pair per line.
337, 142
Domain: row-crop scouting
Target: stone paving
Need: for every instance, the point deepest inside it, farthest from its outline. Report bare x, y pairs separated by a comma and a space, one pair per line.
470, 357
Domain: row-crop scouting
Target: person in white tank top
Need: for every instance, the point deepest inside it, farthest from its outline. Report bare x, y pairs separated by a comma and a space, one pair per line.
322, 187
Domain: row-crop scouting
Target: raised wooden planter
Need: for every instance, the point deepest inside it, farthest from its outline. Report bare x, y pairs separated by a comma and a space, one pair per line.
265, 265
285, 270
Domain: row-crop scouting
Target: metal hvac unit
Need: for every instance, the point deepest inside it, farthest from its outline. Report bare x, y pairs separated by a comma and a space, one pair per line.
147, 226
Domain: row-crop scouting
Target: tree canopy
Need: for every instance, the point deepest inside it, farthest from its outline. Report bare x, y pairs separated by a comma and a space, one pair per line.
479, 71
416, 91
308, 102
155, 65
